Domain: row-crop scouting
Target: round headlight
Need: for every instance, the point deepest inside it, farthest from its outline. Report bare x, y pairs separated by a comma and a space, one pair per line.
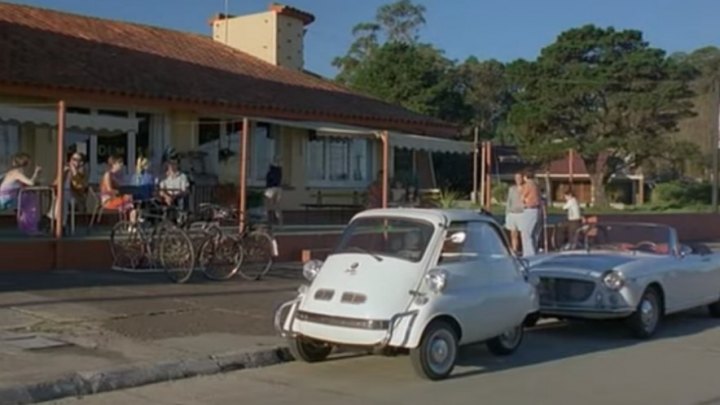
436, 280
311, 269
613, 280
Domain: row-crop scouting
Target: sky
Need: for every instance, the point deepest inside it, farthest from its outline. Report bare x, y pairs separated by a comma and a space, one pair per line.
499, 29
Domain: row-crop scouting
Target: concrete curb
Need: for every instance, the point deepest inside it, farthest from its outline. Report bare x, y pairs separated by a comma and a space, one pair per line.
83, 383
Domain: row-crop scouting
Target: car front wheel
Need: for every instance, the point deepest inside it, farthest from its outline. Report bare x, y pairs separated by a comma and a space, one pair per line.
435, 358
646, 318
508, 342
307, 350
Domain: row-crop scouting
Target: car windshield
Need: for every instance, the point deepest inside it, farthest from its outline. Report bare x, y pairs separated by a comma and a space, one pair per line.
624, 237
381, 236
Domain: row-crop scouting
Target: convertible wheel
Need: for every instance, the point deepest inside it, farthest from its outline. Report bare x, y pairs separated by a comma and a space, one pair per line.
508, 342
715, 309
309, 351
435, 358
646, 318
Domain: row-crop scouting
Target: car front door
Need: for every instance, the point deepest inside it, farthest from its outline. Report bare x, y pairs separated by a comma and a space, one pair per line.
483, 281
687, 280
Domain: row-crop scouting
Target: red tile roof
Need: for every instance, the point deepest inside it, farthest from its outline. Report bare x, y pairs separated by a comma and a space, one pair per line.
41, 48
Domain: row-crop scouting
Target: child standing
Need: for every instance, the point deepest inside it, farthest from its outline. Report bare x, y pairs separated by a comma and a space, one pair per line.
574, 218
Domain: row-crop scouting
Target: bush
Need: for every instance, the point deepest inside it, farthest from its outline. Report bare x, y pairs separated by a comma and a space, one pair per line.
677, 193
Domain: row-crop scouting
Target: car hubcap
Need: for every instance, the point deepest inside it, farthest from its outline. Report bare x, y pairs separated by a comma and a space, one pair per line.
510, 338
648, 314
441, 352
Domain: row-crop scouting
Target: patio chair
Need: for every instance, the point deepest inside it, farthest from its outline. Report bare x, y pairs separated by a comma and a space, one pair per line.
99, 209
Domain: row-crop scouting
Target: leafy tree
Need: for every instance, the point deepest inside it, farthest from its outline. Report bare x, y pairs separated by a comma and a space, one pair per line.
487, 93
396, 22
702, 129
415, 76
605, 93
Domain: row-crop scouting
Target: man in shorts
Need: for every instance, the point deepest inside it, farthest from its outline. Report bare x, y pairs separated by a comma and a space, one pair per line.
513, 211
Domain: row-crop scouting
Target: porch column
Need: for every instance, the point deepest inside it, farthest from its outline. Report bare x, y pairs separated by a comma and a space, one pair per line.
385, 155
488, 174
243, 174
571, 166
475, 168
132, 151
132, 147
641, 190
483, 168
59, 197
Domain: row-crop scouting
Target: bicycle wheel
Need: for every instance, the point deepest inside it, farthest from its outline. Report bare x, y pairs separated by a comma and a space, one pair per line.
259, 248
176, 253
127, 246
220, 257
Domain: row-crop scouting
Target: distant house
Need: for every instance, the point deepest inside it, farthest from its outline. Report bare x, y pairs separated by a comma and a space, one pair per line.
626, 188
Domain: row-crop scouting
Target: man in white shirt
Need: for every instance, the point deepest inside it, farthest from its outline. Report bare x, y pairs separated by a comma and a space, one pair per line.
174, 187
574, 217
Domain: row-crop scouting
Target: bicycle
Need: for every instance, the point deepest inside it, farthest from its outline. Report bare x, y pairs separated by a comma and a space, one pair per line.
222, 255
152, 243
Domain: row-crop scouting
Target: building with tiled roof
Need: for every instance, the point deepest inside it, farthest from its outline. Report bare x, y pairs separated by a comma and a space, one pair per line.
135, 90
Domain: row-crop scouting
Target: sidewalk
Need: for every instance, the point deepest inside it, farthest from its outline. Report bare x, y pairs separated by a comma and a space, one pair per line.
76, 333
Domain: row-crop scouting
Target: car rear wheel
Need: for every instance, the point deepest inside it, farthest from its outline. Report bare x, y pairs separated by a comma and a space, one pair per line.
508, 342
646, 318
435, 358
308, 350
715, 309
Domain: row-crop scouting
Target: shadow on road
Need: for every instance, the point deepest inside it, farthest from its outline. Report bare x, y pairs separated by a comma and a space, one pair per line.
561, 340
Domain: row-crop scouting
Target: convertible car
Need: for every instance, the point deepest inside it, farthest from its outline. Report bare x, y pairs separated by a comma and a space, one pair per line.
637, 272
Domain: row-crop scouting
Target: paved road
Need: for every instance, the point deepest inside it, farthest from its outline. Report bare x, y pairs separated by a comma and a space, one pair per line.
558, 364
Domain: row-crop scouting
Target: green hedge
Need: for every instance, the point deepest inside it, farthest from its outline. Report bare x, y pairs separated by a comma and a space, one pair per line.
677, 193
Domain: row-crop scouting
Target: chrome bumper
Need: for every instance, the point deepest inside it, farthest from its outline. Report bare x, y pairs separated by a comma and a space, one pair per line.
363, 324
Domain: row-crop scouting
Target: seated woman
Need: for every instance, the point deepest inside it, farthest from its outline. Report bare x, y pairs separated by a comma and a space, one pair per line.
110, 193
14, 180
174, 187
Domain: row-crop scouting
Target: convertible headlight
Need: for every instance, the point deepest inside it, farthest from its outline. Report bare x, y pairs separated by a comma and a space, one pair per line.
436, 280
311, 269
613, 280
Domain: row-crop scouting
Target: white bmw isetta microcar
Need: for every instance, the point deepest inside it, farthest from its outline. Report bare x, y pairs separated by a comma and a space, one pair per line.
424, 280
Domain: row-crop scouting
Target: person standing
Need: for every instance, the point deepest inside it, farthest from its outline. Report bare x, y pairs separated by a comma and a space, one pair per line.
273, 191
574, 217
530, 194
513, 212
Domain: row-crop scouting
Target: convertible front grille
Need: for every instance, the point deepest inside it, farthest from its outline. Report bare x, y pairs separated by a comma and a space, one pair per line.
564, 290
355, 323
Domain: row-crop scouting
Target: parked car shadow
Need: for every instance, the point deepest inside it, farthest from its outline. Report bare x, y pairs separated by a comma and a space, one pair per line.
557, 340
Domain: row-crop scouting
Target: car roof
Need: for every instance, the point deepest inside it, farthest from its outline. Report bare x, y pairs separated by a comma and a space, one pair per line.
429, 214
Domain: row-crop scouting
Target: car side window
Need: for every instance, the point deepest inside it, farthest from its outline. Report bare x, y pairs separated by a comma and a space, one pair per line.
481, 241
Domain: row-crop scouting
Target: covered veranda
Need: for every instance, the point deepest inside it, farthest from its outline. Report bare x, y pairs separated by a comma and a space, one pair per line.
63, 247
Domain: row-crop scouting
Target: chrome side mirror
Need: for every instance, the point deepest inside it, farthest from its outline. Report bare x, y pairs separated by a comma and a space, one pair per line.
458, 238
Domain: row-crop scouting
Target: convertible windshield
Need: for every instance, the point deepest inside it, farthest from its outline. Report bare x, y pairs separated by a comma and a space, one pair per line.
624, 237
379, 236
